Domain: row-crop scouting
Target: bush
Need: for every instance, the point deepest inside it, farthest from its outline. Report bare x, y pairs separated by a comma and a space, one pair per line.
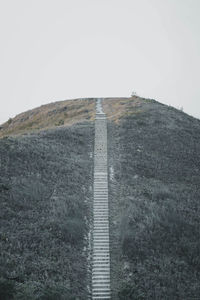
73, 231
60, 122
56, 293
9, 121
7, 289
43, 213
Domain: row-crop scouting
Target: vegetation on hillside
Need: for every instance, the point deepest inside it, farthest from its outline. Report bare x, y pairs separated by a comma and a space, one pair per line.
51, 115
45, 195
154, 203
117, 108
154, 192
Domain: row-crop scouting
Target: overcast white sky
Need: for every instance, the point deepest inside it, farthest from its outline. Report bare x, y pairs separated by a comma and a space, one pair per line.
60, 49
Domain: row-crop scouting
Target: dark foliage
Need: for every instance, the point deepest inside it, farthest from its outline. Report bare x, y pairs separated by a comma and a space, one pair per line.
44, 196
157, 186
7, 289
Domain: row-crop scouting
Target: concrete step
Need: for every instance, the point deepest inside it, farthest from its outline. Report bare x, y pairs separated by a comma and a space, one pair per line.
101, 226
100, 207
100, 203
101, 264
100, 239
98, 282
101, 289
98, 223
100, 192
101, 233
101, 297
101, 215
101, 248
98, 211
100, 294
100, 277
101, 244
98, 251
102, 211
101, 268
102, 218
101, 198
101, 272
100, 254
101, 260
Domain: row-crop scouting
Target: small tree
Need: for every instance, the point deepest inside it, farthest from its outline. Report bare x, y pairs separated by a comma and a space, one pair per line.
9, 121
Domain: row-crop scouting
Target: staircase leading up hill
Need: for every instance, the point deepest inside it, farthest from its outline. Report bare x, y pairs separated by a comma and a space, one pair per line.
101, 251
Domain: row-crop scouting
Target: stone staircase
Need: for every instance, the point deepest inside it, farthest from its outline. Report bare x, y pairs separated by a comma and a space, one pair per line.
100, 235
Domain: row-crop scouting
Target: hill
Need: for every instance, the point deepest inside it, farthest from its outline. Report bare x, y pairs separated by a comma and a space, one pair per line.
46, 197
154, 201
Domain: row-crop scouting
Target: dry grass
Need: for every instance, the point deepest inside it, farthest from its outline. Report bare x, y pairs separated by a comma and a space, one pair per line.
60, 113
116, 108
69, 112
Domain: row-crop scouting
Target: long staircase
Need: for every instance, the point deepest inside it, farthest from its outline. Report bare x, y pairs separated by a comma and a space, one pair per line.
100, 236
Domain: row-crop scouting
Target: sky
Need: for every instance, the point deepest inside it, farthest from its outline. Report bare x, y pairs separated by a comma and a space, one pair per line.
54, 50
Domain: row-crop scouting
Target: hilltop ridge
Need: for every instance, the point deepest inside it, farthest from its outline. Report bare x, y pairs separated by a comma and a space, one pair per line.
68, 112
50, 115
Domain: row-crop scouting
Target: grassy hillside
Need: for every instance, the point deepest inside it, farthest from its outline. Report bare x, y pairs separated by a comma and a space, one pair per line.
45, 194
118, 108
154, 184
50, 116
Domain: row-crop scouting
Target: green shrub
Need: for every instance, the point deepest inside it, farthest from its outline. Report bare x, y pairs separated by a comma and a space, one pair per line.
73, 230
9, 121
60, 122
4, 187
7, 289
131, 292
56, 293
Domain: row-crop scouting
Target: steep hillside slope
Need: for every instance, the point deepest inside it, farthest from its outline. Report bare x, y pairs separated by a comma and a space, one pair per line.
51, 115
46, 177
45, 194
154, 161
